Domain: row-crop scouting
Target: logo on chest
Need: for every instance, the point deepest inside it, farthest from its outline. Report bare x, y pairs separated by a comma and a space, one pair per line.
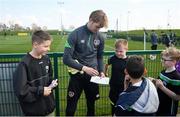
47, 69
82, 41
96, 42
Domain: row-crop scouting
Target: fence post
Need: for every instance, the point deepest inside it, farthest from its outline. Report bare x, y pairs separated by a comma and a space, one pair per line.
55, 59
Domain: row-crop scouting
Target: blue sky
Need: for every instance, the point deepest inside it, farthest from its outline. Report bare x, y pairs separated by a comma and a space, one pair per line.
131, 14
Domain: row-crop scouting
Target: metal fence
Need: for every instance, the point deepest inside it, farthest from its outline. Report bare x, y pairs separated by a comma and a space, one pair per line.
9, 104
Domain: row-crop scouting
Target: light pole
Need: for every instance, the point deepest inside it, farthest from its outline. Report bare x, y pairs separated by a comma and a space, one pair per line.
120, 23
145, 34
61, 25
168, 20
117, 23
127, 24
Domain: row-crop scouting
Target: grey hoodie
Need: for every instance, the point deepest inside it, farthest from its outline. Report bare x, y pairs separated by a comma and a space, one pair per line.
148, 102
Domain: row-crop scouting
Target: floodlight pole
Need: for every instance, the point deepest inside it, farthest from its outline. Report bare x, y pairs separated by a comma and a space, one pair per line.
60, 4
117, 23
120, 23
145, 33
168, 20
144, 40
127, 24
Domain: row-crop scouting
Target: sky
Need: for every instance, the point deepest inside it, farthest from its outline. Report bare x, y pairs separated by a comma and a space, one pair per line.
130, 14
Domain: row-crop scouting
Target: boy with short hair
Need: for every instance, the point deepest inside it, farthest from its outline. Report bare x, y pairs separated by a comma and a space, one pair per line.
140, 96
168, 83
32, 80
118, 63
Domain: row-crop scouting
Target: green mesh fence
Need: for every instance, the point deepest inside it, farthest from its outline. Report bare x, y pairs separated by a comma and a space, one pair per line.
9, 104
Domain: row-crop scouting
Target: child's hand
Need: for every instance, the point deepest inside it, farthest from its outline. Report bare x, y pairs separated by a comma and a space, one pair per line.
152, 80
126, 81
127, 78
47, 91
159, 83
53, 84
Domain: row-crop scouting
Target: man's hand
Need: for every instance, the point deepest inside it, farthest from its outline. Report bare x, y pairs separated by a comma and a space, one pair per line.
47, 91
90, 71
102, 75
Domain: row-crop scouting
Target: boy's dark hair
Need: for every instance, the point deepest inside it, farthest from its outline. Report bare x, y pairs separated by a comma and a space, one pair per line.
99, 16
135, 66
39, 36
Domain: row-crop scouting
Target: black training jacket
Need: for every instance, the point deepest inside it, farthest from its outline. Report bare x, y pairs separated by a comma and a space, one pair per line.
86, 47
29, 80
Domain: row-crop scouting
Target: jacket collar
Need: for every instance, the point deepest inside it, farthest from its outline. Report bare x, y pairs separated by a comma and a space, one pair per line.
87, 30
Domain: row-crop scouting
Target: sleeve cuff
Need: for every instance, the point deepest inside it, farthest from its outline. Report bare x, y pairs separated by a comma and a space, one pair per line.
40, 90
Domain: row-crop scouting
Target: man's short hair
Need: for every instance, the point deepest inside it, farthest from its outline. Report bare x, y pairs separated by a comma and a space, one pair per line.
99, 16
40, 36
135, 66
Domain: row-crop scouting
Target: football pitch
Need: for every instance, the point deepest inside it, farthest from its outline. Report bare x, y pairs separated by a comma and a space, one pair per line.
22, 44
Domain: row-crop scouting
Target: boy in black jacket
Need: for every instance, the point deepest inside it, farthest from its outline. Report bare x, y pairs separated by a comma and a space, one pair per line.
32, 80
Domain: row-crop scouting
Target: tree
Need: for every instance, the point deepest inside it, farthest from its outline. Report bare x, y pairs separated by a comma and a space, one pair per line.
17, 27
35, 27
3, 27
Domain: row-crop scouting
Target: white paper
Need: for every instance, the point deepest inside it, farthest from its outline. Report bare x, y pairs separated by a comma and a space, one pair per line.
53, 84
99, 80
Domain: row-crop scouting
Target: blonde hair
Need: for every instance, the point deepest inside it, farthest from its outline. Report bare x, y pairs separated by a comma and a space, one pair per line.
99, 16
120, 42
172, 52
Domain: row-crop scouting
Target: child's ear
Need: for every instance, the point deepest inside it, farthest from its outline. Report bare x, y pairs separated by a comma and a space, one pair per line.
145, 71
35, 44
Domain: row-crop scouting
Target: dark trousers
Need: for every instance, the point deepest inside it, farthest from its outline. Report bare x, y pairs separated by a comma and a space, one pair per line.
114, 92
113, 109
154, 47
77, 84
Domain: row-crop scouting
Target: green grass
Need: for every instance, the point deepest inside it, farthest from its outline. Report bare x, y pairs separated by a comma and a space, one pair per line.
133, 45
22, 44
